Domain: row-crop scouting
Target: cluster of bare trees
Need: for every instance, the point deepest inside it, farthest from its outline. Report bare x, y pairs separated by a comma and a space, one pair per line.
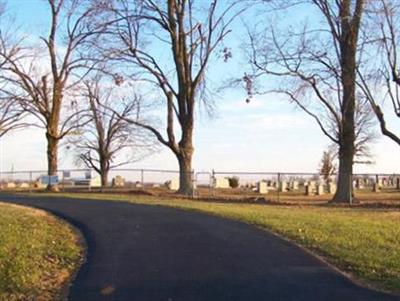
120, 39
42, 78
338, 68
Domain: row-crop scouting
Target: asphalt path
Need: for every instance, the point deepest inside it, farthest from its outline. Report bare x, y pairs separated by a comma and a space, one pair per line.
149, 253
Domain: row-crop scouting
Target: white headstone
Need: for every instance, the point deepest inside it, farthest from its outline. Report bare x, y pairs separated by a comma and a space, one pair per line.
24, 185
95, 182
309, 189
320, 190
332, 188
173, 184
221, 183
294, 185
282, 186
118, 181
11, 185
138, 184
262, 187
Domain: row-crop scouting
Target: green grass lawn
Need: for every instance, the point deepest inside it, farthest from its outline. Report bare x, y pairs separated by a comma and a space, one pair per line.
38, 254
364, 242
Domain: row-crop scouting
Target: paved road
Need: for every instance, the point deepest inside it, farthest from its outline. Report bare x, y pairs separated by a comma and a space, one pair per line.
145, 253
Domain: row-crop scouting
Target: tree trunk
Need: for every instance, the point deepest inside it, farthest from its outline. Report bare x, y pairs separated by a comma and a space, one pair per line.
185, 173
348, 54
104, 178
345, 186
52, 160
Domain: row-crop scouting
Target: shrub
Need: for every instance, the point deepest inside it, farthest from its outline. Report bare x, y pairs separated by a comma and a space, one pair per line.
233, 182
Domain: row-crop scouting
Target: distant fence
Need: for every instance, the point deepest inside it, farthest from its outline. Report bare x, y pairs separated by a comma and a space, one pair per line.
206, 183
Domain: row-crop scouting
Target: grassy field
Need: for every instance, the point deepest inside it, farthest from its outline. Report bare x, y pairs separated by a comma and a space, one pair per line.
361, 241
38, 254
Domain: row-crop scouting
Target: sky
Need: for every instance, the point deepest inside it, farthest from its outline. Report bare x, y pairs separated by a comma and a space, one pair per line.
268, 134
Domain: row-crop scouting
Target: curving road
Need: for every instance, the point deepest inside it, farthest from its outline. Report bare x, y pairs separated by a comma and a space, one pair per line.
145, 253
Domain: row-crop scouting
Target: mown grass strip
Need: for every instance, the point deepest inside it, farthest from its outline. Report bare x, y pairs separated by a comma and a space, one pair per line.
38, 254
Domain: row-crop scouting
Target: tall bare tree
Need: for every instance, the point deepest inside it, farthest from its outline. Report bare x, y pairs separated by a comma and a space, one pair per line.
383, 65
41, 79
317, 66
171, 43
102, 142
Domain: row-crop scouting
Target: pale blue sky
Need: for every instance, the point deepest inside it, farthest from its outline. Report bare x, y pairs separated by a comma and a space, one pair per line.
267, 134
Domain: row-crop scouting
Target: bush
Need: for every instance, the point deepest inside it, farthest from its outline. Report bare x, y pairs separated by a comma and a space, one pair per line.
233, 182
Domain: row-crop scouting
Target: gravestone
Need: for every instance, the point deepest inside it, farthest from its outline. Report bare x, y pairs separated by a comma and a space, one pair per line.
312, 184
332, 188
172, 184
221, 183
320, 189
294, 185
282, 186
24, 185
10, 185
262, 187
95, 182
138, 184
359, 183
118, 181
309, 189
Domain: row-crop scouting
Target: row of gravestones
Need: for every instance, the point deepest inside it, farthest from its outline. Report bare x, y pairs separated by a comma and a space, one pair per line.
118, 181
13, 185
361, 183
311, 187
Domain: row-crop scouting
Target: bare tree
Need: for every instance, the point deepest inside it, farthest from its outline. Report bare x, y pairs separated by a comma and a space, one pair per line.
108, 136
379, 78
11, 114
317, 68
41, 79
189, 31
327, 166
